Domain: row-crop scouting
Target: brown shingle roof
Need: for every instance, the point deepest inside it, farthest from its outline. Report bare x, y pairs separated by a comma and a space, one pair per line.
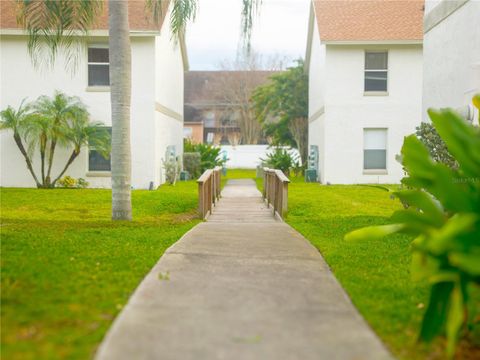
205, 87
357, 20
139, 18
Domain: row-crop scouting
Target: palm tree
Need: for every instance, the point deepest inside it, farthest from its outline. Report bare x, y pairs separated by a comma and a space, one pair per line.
15, 120
61, 120
58, 110
55, 24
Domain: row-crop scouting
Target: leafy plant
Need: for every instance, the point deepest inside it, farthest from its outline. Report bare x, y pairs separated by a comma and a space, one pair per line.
281, 159
210, 156
67, 182
189, 146
82, 183
172, 168
444, 217
192, 163
436, 146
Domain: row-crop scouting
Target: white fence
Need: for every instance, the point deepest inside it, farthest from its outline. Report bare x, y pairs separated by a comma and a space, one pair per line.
248, 156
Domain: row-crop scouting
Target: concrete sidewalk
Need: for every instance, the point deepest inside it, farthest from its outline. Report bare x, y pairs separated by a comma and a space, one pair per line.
241, 286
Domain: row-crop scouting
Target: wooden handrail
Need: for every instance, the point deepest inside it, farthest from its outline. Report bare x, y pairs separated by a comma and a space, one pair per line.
209, 184
275, 191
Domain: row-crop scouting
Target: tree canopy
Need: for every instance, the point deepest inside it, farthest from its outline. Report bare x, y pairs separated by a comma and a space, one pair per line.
281, 106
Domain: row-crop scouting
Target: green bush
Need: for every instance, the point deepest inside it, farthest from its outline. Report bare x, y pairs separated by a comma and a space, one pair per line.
67, 182
436, 146
82, 183
192, 163
444, 216
210, 156
281, 159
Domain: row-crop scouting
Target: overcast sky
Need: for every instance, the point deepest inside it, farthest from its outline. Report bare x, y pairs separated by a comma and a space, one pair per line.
280, 30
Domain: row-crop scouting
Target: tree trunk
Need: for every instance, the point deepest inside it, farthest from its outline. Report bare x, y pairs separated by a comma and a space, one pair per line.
120, 93
43, 147
299, 129
53, 144
18, 141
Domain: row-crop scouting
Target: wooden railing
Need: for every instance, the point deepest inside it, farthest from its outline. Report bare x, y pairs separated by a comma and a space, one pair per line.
208, 191
275, 190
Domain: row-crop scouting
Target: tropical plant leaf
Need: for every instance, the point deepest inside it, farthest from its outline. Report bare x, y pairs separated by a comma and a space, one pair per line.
373, 232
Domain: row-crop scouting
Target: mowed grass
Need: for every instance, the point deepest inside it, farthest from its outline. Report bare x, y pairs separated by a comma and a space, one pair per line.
375, 274
67, 269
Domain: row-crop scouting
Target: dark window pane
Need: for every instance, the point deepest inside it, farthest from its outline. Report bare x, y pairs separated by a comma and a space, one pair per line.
97, 162
374, 159
376, 61
97, 55
375, 81
98, 75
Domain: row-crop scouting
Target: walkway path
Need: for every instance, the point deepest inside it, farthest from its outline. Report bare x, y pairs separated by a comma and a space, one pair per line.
242, 285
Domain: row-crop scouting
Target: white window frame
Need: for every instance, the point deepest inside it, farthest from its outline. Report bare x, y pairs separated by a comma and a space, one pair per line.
376, 92
97, 88
375, 171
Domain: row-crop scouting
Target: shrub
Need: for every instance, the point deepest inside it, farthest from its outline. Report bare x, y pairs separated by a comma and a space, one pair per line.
67, 182
444, 215
82, 183
429, 136
210, 156
281, 159
189, 146
172, 168
192, 163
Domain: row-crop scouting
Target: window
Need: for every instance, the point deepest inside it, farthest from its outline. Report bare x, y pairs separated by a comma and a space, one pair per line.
376, 71
97, 162
98, 67
374, 149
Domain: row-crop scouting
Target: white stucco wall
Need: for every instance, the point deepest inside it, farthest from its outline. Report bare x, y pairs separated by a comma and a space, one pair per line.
349, 111
249, 156
452, 57
316, 99
169, 79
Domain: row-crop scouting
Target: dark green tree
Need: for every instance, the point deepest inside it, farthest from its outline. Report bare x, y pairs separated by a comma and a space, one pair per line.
281, 107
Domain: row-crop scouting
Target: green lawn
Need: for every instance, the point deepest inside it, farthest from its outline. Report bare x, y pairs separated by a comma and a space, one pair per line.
375, 274
67, 270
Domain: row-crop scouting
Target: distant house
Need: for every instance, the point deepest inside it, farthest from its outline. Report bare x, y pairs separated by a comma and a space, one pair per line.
158, 66
364, 60
451, 55
214, 102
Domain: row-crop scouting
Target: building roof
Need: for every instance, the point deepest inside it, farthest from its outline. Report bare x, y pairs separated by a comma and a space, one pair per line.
139, 18
369, 20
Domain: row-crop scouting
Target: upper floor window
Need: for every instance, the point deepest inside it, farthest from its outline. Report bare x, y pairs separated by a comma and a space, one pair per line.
98, 67
376, 70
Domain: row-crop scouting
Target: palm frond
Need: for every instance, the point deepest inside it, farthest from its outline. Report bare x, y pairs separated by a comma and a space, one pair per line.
57, 24
182, 12
250, 9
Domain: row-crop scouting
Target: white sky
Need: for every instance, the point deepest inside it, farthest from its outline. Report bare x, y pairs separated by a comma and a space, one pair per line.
279, 30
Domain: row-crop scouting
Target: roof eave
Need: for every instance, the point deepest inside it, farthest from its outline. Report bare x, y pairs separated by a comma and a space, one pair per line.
373, 42
311, 28
91, 33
